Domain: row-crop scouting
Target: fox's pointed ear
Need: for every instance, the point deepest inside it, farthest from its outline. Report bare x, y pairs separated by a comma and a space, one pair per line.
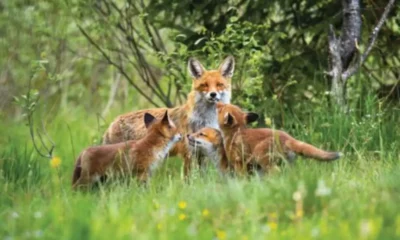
195, 68
165, 119
148, 119
251, 117
227, 67
229, 120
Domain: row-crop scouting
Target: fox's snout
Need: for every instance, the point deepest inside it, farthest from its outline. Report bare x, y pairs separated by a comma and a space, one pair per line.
178, 137
213, 96
192, 140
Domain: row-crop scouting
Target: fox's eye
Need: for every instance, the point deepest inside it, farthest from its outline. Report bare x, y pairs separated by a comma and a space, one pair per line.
203, 85
220, 84
202, 134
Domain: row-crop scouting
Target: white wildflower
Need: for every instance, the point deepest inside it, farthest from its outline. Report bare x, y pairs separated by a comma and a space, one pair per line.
14, 215
322, 190
192, 230
297, 196
38, 233
37, 215
315, 232
172, 211
266, 229
365, 228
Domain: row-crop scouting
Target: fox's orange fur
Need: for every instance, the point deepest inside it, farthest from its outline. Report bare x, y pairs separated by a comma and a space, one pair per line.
199, 111
139, 158
208, 141
261, 146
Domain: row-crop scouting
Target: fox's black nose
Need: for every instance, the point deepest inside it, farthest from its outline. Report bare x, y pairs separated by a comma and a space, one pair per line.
213, 94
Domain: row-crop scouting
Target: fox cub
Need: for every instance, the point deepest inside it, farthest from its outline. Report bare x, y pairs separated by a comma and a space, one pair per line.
139, 158
260, 147
208, 142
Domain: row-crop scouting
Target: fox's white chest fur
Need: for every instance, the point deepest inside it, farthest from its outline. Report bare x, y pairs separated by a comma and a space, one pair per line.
205, 113
213, 153
161, 155
214, 156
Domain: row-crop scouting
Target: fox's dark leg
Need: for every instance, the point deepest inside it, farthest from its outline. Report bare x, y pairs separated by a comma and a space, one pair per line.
187, 164
201, 163
144, 178
84, 182
239, 166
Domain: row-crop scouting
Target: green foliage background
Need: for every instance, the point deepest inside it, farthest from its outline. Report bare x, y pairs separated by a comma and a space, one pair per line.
280, 49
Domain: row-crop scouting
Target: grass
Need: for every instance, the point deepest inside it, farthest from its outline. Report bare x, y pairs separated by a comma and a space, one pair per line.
355, 197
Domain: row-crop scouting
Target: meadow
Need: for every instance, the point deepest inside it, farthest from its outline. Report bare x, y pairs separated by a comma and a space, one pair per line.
355, 197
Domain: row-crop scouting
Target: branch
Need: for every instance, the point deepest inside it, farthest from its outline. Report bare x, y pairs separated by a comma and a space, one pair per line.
116, 65
71, 139
30, 112
127, 29
113, 92
42, 142
353, 69
148, 74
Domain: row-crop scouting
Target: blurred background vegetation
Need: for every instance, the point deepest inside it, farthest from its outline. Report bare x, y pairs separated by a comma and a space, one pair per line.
111, 56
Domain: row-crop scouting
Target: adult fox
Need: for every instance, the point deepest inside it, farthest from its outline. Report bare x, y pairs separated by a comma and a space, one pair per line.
260, 146
208, 88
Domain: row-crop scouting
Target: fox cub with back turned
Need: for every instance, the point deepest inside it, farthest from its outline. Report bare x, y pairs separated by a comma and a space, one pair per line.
260, 146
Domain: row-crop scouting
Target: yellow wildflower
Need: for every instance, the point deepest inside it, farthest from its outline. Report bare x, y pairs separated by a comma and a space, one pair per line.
273, 215
205, 213
398, 225
299, 213
134, 228
244, 237
268, 121
221, 235
247, 212
272, 225
182, 216
55, 162
182, 204
156, 204
159, 226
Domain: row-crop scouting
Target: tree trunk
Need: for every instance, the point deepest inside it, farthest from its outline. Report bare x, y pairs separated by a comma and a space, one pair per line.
343, 49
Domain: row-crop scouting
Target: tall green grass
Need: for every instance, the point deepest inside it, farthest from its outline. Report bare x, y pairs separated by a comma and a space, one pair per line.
352, 198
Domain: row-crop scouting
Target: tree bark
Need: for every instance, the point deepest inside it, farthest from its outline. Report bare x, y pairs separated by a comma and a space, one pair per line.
343, 49
351, 31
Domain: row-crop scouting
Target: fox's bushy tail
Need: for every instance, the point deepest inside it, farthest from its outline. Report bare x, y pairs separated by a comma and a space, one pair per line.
309, 150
